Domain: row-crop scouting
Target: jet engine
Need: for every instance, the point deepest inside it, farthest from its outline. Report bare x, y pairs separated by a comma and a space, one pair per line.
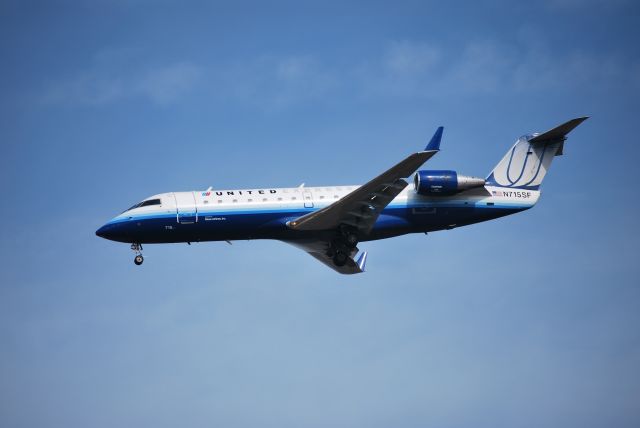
443, 182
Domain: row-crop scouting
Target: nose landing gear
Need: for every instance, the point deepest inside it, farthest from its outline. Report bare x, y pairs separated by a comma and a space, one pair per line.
137, 248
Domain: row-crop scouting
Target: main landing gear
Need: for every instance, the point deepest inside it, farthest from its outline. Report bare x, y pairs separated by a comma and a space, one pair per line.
137, 248
342, 246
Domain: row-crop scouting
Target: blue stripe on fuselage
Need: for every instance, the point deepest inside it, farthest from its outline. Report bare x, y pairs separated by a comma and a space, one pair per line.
302, 211
242, 223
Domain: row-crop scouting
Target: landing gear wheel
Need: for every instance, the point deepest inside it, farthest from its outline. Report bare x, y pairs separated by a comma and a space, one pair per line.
351, 240
340, 258
347, 236
137, 248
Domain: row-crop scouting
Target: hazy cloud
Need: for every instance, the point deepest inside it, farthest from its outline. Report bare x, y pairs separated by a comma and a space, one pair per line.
273, 82
482, 67
102, 84
167, 84
86, 88
407, 58
417, 69
405, 68
301, 77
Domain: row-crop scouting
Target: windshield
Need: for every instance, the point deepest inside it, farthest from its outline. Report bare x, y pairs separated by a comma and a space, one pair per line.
146, 203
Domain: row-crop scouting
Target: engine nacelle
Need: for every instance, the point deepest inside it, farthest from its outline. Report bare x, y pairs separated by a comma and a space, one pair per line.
444, 182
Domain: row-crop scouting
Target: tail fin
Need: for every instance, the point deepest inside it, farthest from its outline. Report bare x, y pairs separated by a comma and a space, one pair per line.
526, 164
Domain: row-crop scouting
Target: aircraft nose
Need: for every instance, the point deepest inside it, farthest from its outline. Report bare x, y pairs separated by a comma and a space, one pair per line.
119, 231
103, 232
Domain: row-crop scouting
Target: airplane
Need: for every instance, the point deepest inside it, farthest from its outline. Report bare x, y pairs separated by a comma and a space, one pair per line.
329, 222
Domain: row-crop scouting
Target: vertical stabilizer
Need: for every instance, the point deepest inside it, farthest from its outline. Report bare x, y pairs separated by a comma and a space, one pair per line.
527, 163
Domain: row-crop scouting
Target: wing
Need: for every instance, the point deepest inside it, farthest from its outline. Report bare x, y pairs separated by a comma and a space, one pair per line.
358, 210
361, 208
318, 249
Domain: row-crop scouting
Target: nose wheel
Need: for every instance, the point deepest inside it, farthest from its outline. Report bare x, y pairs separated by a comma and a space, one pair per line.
137, 248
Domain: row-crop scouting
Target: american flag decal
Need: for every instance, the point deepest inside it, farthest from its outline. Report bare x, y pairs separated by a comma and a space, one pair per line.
498, 193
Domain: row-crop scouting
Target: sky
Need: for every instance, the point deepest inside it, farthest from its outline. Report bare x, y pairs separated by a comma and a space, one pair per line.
529, 320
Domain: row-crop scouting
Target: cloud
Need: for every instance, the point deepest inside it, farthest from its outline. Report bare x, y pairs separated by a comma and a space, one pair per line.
270, 81
408, 58
544, 70
274, 82
85, 88
418, 69
300, 77
295, 68
168, 84
103, 84
401, 69
482, 67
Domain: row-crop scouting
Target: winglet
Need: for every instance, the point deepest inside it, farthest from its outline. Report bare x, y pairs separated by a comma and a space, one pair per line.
434, 144
362, 261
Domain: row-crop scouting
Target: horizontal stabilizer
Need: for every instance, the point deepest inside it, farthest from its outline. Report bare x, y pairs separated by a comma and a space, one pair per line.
558, 133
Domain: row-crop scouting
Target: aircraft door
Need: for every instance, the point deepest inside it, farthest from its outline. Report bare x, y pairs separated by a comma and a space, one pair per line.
308, 198
186, 211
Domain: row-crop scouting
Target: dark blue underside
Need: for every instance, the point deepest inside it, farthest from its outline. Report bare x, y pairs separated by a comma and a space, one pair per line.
272, 225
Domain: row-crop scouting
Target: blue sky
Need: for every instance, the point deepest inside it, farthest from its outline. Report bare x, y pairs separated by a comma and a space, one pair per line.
531, 320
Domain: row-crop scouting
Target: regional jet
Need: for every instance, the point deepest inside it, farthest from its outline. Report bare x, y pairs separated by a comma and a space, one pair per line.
329, 222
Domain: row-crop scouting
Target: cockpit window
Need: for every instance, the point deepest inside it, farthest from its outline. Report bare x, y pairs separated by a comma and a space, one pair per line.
144, 204
132, 207
150, 202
